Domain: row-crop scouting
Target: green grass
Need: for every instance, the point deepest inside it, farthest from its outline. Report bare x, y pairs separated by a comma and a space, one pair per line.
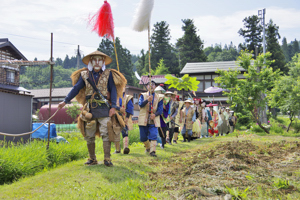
125, 180
139, 176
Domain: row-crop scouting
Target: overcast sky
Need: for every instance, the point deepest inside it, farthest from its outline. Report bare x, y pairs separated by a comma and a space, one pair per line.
28, 23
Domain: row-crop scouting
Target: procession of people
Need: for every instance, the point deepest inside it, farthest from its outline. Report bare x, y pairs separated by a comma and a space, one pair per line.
107, 112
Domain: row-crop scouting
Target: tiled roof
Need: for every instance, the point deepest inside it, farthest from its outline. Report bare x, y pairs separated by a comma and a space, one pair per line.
203, 67
157, 78
56, 92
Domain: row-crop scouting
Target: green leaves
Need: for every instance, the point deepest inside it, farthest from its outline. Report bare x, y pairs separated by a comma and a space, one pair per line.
184, 83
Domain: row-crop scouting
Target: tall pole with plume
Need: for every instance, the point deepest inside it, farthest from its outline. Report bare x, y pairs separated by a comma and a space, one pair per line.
141, 22
103, 23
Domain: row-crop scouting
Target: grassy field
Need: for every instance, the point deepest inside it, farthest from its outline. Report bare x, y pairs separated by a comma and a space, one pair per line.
243, 164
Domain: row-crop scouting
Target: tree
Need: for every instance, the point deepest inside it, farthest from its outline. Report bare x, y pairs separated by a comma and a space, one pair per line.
190, 45
124, 58
161, 48
272, 36
161, 68
73, 110
251, 33
186, 83
141, 65
285, 50
247, 92
285, 93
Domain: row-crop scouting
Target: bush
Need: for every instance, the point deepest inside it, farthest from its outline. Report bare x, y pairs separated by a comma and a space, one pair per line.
256, 128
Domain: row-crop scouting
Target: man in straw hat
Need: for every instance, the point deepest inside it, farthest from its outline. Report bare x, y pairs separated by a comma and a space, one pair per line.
188, 117
151, 107
96, 115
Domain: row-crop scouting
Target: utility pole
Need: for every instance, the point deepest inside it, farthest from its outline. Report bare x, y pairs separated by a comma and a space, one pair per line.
261, 16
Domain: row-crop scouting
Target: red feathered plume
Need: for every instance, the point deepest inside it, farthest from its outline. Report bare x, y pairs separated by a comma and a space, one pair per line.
103, 22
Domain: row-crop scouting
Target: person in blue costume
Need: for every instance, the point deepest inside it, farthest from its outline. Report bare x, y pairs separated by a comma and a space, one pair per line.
125, 107
151, 107
96, 115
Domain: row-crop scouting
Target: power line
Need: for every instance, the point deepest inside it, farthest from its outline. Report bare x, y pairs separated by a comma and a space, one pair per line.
43, 39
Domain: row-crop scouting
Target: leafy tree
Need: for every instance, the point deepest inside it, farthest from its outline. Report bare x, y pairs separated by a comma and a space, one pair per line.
73, 110
247, 92
272, 36
161, 48
161, 68
142, 64
285, 93
190, 45
295, 47
186, 83
252, 33
285, 50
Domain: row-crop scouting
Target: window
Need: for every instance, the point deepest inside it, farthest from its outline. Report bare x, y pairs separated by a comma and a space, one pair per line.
207, 77
135, 95
207, 84
200, 87
215, 84
214, 76
200, 77
10, 76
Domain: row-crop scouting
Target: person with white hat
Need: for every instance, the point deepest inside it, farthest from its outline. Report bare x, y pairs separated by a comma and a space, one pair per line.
188, 117
97, 113
151, 107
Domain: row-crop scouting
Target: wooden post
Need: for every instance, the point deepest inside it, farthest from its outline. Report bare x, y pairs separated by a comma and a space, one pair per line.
51, 80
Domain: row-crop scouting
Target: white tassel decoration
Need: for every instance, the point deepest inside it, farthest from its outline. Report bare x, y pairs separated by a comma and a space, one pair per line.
142, 15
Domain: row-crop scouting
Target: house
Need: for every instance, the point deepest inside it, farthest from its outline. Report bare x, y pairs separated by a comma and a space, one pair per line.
41, 98
15, 101
205, 72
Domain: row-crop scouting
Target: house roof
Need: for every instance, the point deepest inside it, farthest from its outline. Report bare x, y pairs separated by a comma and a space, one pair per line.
157, 78
204, 67
13, 88
5, 44
56, 92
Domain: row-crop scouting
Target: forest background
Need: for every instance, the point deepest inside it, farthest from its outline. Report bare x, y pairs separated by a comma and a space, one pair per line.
168, 58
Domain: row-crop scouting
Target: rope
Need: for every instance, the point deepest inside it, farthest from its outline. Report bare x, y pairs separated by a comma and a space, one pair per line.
27, 133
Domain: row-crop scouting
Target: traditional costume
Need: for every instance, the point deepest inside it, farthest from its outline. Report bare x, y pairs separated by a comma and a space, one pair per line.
188, 117
213, 123
177, 123
197, 123
94, 118
148, 127
164, 119
125, 107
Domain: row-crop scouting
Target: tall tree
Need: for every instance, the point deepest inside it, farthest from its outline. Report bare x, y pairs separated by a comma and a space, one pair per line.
295, 49
190, 45
124, 58
285, 50
161, 68
162, 49
272, 37
252, 33
142, 63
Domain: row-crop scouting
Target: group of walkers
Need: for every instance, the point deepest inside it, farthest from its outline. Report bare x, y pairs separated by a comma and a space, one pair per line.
164, 114
107, 112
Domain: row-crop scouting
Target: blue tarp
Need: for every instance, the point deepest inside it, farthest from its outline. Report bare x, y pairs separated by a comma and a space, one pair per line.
42, 133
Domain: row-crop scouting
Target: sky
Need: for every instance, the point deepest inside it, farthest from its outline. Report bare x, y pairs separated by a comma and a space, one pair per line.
28, 24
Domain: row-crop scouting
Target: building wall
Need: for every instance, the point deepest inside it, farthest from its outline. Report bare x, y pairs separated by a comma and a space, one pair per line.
15, 115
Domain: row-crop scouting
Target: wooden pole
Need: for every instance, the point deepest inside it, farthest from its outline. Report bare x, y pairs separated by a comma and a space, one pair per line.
51, 80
